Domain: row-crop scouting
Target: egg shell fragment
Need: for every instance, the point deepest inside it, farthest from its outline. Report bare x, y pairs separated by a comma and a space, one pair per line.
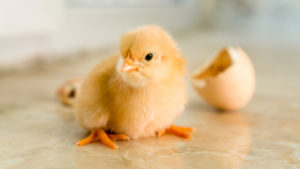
228, 83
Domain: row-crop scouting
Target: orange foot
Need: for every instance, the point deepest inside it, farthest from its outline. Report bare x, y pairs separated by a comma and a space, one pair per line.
102, 136
177, 131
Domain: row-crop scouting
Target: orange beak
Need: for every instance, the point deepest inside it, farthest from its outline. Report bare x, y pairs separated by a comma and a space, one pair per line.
129, 66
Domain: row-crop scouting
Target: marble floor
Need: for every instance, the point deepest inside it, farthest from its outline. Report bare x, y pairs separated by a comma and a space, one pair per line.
37, 132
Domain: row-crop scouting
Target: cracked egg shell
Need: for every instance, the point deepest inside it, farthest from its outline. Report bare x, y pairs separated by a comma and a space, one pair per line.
67, 92
228, 82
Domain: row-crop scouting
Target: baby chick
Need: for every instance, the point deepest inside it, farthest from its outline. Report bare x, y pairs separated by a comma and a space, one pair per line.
137, 94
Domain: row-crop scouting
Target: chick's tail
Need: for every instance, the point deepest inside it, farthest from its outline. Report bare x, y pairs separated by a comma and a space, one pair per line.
68, 91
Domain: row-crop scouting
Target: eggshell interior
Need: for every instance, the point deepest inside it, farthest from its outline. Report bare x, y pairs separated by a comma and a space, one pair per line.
228, 82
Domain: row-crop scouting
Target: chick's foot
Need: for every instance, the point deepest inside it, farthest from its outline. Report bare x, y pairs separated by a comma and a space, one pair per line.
118, 137
183, 132
102, 136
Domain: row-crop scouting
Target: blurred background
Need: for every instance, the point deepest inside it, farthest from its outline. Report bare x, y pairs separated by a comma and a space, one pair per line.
50, 30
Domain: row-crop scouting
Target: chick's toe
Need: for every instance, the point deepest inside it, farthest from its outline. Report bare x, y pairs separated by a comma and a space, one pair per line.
102, 136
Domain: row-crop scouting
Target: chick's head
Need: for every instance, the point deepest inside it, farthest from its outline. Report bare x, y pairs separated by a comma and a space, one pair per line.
149, 54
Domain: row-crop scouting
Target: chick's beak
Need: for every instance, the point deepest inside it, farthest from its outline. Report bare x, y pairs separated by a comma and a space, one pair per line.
129, 65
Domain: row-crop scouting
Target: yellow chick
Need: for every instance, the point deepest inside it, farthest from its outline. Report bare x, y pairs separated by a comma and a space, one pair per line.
137, 94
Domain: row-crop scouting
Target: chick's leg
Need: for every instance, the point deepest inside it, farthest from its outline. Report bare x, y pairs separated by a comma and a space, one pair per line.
183, 132
98, 135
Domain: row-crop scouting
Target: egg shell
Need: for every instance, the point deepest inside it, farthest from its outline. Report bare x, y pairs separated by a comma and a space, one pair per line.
67, 91
228, 83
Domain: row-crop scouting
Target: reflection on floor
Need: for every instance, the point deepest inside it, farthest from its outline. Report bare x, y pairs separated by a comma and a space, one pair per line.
35, 130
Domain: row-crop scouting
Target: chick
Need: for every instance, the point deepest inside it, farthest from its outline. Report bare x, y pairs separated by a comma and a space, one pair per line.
137, 94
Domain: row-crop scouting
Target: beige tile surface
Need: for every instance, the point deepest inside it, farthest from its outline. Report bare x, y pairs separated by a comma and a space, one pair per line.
37, 132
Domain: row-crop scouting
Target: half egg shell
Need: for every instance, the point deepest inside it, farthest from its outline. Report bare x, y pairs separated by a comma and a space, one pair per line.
228, 82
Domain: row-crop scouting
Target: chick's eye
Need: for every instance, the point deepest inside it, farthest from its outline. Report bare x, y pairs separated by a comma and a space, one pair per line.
149, 56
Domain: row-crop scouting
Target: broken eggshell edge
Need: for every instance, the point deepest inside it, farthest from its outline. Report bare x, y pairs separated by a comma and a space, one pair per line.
228, 82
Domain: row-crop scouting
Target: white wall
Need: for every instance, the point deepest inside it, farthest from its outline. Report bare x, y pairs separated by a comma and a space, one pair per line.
19, 17
25, 27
